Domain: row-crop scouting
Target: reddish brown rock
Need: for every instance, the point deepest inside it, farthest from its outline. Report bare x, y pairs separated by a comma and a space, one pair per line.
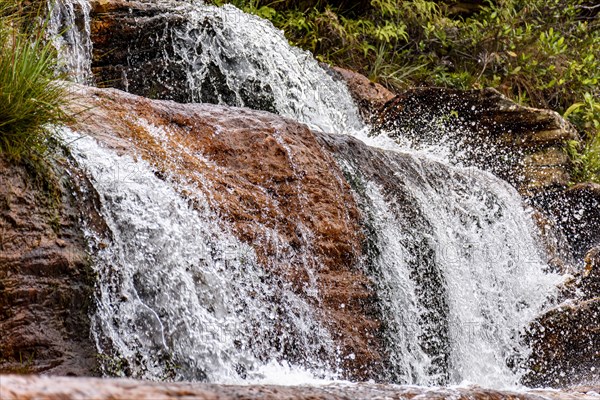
269, 178
45, 274
369, 96
519, 144
45, 388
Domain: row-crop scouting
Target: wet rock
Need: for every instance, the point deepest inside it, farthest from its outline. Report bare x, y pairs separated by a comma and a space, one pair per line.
269, 178
555, 244
565, 341
590, 279
45, 275
519, 144
565, 344
134, 50
369, 96
576, 211
130, 51
41, 388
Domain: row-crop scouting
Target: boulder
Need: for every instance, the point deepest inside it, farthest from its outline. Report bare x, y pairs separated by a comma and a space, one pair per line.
565, 344
522, 145
576, 211
369, 96
270, 180
46, 279
552, 239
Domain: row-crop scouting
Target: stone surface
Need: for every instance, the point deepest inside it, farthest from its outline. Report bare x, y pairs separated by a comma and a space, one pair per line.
45, 274
555, 243
46, 388
369, 96
576, 211
521, 145
135, 49
269, 178
130, 48
566, 345
590, 279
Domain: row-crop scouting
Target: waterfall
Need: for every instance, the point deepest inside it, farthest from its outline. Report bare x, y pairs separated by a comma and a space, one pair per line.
69, 30
452, 251
234, 58
179, 297
457, 267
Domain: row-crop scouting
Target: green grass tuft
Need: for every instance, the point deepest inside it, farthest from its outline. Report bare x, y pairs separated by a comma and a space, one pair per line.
31, 97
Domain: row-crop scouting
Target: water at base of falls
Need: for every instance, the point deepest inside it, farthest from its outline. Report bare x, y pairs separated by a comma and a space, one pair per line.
453, 257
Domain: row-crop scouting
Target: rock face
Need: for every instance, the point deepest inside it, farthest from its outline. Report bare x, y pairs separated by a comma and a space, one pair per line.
566, 340
269, 178
43, 388
134, 56
577, 212
45, 274
566, 345
521, 145
369, 96
590, 281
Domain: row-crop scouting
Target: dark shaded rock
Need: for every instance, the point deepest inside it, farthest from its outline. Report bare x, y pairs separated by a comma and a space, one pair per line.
565, 344
577, 212
555, 244
565, 341
135, 50
590, 279
45, 275
132, 48
41, 388
482, 127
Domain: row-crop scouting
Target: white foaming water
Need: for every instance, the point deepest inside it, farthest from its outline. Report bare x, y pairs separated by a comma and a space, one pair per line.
457, 268
256, 62
178, 296
69, 30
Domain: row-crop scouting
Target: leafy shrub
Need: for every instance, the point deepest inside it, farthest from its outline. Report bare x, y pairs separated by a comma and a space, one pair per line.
30, 97
542, 53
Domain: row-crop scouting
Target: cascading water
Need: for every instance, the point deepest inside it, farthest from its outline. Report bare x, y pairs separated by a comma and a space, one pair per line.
457, 269
69, 30
178, 296
234, 58
456, 265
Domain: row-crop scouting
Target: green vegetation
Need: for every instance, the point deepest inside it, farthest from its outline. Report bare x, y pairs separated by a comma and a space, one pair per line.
542, 53
30, 96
